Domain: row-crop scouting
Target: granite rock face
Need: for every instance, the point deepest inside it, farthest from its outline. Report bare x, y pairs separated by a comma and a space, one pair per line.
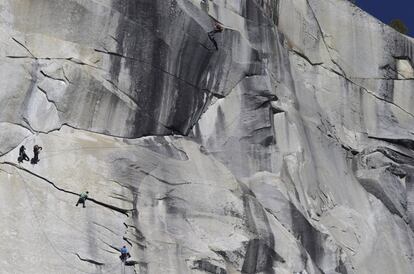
288, 150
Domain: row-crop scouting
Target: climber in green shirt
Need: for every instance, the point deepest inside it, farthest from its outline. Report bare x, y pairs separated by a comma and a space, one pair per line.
82, 198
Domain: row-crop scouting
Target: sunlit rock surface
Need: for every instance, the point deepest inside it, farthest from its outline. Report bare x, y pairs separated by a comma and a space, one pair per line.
288, 150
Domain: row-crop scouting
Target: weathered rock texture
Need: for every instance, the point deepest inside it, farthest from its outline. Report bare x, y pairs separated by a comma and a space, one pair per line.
288, 150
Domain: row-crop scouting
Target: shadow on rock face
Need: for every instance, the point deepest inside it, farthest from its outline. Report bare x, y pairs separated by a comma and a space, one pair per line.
310, 238
385, 173
260, 257
260, 253
208, 267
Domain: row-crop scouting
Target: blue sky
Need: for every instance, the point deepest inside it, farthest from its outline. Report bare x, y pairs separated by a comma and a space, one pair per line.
386, 10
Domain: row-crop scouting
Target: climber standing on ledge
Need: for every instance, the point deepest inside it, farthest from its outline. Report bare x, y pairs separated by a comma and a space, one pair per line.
124, 254
36, 151
22, 155
218, 28
82, 198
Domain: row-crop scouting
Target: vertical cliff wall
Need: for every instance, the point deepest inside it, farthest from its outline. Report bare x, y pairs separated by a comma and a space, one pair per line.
290, 149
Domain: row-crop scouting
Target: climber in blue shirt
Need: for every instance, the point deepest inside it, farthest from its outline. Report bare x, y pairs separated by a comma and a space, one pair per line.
124, 254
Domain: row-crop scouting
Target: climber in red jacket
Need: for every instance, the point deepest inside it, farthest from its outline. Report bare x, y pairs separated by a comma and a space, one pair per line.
217, 29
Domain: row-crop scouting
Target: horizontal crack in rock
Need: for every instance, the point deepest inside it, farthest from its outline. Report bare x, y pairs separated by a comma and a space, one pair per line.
32, 56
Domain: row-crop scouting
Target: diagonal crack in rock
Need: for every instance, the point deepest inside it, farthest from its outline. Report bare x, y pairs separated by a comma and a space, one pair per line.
89, 260
51, 77
112, 207
151, 65
162, 180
